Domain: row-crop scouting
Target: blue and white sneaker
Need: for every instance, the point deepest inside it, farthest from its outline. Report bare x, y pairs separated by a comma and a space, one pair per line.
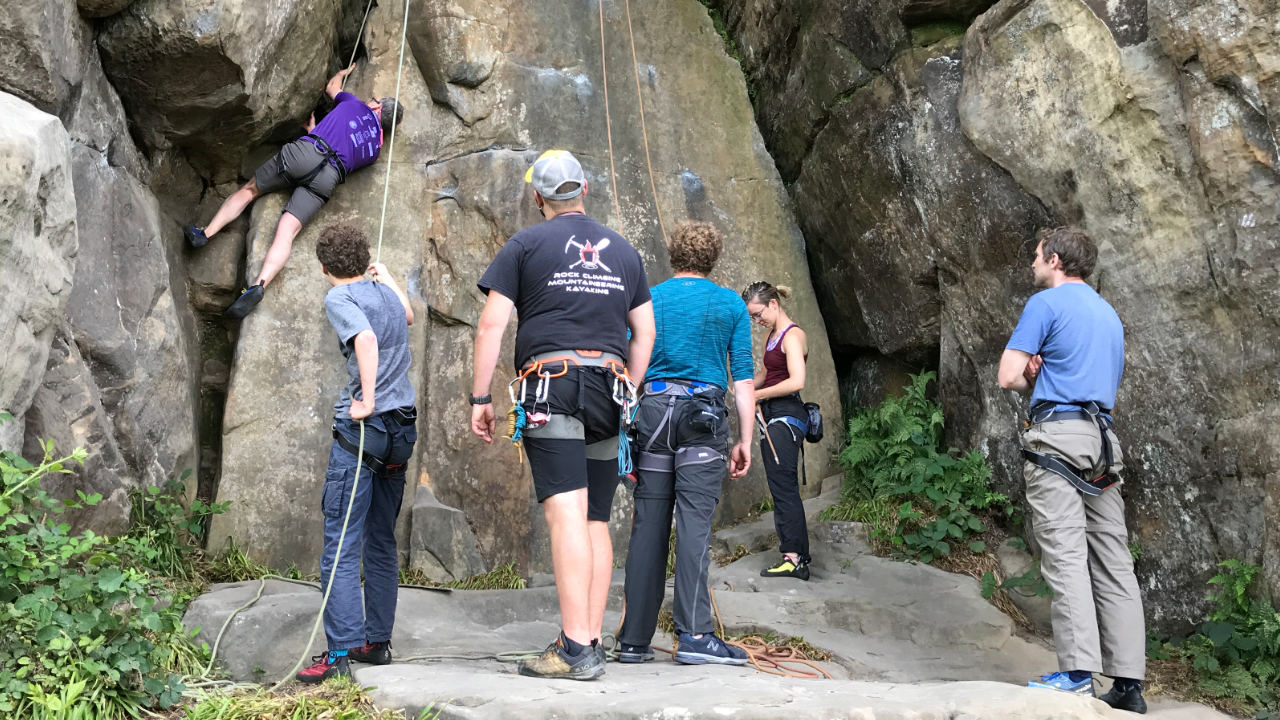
1062, 682
708, 650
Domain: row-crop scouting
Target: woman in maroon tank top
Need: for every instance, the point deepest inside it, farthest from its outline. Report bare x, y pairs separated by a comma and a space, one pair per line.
778, 393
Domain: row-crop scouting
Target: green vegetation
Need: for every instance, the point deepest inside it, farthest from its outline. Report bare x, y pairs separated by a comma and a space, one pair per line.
930, 33
503, 577
920, 498
1235, 656
85, 634
337, 699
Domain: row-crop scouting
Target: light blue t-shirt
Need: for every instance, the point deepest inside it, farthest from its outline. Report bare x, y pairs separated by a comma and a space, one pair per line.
1081, 340
699, 323
353, 308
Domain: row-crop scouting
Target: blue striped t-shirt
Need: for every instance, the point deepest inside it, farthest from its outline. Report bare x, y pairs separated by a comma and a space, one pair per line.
699, 325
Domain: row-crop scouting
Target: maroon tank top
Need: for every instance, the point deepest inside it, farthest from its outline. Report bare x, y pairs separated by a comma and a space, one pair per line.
775, 362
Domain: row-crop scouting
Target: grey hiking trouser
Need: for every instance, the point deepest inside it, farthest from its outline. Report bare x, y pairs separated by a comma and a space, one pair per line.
1097, 609
682, 471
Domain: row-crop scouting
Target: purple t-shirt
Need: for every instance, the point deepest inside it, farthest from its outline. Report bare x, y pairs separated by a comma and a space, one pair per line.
352, 130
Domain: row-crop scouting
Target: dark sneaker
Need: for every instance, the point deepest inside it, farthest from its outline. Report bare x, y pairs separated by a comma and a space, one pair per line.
1126, 695
195, 236
556, 662
247, 301
326, 666
1062, 682
601, 653
708, 650
634, 653
378, 653
787, 568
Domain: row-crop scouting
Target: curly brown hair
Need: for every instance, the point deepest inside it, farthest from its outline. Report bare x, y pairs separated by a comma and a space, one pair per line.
343, 251
695, 247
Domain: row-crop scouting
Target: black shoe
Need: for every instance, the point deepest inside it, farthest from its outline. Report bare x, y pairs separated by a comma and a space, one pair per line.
325, 666
247, 301
634, 653
378, 653
787, 568
556, 662
600, 652
1126, 695
195, 236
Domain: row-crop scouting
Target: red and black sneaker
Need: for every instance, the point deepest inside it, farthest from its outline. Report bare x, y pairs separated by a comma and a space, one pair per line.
378, 653
326, 666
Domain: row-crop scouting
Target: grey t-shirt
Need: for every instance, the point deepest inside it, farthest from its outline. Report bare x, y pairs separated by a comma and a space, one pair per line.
365, 305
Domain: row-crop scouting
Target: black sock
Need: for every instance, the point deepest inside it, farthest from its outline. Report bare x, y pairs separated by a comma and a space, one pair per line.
571, 647
1079, 675
1126, 684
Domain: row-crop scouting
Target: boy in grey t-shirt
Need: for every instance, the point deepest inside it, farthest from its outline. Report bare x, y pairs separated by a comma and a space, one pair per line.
372, 319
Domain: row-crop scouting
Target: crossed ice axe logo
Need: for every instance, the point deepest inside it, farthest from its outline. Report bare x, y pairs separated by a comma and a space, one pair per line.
588, 255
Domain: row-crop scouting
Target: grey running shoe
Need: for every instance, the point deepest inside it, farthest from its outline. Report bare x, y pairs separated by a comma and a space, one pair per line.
708, 650
556, 662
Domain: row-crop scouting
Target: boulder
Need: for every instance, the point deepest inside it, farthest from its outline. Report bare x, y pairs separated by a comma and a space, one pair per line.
44, 47
215, 78
441, 544
101, 8
38, 210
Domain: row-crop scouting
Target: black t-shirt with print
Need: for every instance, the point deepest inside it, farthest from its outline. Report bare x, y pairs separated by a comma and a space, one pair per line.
573, 281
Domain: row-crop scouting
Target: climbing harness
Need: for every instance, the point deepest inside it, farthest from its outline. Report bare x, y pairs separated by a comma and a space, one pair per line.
1081, 479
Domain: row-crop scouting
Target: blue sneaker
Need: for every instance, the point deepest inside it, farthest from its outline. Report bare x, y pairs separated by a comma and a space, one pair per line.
1063, 683
708, 650
195, 236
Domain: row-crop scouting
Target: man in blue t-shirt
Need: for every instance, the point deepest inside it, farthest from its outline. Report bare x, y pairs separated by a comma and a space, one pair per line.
682, 448
348, 138
376, 408
1068, 349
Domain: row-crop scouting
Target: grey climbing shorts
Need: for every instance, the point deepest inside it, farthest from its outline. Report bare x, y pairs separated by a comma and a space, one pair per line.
288, 168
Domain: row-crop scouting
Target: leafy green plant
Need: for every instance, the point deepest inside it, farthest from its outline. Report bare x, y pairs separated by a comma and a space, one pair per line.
165, 535
336, 699
1236, 652
84, 633
918, 496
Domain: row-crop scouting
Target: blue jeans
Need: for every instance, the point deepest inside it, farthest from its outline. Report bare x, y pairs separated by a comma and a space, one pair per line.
350, 620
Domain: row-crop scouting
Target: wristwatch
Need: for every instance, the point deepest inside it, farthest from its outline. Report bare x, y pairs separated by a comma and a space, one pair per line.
481, 400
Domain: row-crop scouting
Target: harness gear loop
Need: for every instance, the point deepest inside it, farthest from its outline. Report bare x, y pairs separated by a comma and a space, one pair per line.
1081, 479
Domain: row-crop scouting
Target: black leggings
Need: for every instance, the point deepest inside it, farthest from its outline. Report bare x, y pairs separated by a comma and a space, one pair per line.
783, 475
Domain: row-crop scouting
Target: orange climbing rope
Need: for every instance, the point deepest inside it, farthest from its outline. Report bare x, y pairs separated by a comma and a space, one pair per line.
644, 133
608, 124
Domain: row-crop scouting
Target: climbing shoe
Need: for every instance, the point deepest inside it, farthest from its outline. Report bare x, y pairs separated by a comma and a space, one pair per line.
378, 653
195, 236
247, 301
787, 568
556, 662
325, 666
708, 650
1063, 682
634, 653
1126, 694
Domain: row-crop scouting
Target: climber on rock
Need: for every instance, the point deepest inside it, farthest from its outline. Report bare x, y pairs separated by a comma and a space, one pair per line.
348, 138
577, 288
1068, 349
376, 414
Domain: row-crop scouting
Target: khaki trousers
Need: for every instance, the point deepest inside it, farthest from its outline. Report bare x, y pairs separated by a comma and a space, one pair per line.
1097, 610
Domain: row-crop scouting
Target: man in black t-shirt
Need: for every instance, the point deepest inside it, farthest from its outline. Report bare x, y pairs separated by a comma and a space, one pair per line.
578, 288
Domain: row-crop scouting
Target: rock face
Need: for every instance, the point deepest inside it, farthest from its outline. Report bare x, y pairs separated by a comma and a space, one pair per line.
38, 210
1151, 125
488, 87
216, 77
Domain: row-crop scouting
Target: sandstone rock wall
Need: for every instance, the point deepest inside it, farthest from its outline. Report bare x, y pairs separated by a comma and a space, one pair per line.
924, 161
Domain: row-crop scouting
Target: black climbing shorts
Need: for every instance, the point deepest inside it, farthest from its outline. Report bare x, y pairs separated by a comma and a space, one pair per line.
288, 167
578, 448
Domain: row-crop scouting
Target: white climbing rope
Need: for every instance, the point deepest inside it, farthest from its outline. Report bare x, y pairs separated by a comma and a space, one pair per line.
391, 148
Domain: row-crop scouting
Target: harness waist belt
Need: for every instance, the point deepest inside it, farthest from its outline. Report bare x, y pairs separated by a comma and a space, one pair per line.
1078, 479
593, 358
682, 388
370, 461
330, 154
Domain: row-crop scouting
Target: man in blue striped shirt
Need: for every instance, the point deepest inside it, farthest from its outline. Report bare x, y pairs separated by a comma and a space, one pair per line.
682, 448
